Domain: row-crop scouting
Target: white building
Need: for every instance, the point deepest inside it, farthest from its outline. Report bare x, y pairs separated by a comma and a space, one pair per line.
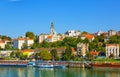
19, 42
111, 32
99, 33
52, 37
73, 33
112, 49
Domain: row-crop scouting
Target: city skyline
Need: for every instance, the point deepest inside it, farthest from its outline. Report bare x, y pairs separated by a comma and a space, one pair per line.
19, 16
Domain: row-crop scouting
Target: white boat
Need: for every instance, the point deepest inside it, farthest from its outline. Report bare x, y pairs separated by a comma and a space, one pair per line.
44, 65
31, 64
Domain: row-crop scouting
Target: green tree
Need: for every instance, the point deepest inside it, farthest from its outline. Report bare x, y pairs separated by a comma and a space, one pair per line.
54, 54
31, 35
45, 55
8, 47
68, 54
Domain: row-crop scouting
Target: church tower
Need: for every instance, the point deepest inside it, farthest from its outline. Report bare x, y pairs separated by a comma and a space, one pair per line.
52, 31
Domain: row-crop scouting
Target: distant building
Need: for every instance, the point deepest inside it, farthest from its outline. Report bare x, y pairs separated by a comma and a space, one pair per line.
112, 49
90, 37
111, 33
118, 33
52, 37
82, 49
2, 44
5, 53
94, 53
19, 42
73, 33
99, 33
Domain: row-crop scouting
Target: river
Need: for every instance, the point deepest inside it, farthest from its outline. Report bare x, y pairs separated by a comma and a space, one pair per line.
67, 72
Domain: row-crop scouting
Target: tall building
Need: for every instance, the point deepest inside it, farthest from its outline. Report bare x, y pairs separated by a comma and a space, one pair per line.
112, 49
82, 49
52, 30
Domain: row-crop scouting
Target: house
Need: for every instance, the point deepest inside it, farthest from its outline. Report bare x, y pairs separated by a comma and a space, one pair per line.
82, 49
90, 37
112, 49
111, 33
19, 42
94, 53
2, 44
72, 33
5, 53
27, 52
118, 33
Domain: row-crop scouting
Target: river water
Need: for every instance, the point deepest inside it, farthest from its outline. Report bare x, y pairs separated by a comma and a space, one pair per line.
67, 72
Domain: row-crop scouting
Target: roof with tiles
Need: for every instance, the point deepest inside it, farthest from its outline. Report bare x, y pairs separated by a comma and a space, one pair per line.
26, 38
27, 50
94, 53
112, 45
1, 41
49, 37
88, 36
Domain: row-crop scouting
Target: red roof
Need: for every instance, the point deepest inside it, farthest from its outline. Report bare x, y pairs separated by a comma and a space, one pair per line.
49, 37
23, 39
94, 53
112, 44
27, 50
88, 36
1, 41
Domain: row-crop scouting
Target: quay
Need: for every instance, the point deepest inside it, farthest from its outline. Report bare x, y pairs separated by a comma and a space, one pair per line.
19, 63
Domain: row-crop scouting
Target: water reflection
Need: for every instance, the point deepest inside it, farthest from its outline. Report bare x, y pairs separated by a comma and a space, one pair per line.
68, 72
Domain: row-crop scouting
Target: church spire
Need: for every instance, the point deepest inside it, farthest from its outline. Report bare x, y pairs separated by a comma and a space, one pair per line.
52, 31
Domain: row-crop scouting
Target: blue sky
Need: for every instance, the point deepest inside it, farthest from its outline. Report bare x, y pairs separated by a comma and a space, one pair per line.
20, 16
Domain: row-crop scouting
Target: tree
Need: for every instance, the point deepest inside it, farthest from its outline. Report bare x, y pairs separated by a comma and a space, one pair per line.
45, 55
54, 54
68, 54
8, 47
31, 35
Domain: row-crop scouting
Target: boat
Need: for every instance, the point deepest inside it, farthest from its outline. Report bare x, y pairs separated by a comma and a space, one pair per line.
44, 65
31, 64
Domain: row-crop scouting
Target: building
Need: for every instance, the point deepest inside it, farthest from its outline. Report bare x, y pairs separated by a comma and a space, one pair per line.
99, 33
2, 44
90, 37
82, 49
112, 49
19, 42
5, 53
111, 33
118, 33
51, 37
73, 33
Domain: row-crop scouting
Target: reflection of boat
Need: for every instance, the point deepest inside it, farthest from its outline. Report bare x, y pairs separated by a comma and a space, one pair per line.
105, 65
